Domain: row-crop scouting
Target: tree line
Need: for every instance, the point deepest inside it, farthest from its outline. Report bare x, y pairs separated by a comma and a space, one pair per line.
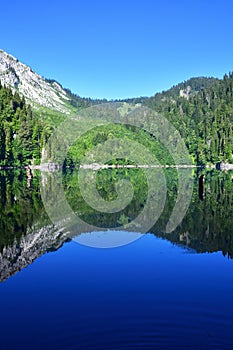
23, 131
204, 119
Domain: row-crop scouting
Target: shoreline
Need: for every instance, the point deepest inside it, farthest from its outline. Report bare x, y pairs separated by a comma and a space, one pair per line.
50, 167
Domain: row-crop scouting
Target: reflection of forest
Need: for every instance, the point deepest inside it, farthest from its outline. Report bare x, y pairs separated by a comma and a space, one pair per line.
208, 225
26, 232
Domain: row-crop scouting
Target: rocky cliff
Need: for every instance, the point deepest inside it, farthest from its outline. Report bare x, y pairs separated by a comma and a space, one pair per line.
37, 90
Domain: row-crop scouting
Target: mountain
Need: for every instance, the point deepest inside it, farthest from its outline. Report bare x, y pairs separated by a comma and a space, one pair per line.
192, 86
36, 90
185, 89
201, 109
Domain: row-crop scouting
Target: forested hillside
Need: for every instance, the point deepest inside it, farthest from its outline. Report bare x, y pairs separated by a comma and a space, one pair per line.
19, 134
201, 109
23, 131
204, 118
195, 85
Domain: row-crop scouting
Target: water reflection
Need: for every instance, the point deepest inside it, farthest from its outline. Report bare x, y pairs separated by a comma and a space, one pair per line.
201, 187
25, 230
27, 233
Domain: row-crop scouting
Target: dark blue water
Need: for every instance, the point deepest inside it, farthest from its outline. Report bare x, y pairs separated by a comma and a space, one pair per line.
163, 291
149, 294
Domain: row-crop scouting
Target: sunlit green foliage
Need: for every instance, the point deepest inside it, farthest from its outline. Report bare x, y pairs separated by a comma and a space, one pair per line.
204, 118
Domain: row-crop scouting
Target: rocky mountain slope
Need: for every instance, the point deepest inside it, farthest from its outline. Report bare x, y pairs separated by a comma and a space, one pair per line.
37, 90
35, 243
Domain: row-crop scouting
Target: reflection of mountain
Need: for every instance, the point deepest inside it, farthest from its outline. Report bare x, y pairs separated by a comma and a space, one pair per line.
207, 225
34, 244
26, 232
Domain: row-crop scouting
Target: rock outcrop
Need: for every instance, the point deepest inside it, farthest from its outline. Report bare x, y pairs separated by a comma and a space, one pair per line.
37, 90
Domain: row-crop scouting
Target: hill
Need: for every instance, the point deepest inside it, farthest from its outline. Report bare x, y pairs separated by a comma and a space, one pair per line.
200, 108
204, 118
186, 89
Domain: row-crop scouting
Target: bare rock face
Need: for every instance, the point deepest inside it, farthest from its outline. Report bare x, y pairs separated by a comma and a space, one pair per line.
37, 242
31, 85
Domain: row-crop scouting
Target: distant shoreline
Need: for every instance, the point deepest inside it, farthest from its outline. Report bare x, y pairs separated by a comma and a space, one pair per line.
50, 167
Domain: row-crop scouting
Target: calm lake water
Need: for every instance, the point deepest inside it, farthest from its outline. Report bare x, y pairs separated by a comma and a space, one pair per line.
163, 291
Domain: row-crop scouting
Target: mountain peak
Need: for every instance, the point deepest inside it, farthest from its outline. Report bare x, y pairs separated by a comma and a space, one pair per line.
32, 86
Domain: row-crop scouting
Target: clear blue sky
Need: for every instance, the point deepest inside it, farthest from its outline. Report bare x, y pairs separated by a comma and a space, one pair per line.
118, 49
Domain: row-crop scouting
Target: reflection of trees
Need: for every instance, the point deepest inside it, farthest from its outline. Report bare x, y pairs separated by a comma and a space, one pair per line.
207, 226
20, 206
25, 230
105, 184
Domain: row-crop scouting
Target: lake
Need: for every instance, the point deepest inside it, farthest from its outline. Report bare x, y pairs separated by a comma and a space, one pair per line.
161, 291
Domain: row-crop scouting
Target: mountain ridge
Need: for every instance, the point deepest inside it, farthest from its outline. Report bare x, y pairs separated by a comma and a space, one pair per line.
201, 109
50, 93
36, 90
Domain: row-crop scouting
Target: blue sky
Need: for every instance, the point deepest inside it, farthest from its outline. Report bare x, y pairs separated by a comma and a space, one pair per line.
118, 49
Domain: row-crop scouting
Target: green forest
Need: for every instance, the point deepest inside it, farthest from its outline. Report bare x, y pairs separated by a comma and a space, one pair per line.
206, 226
202, 113
23, 131
204, 118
